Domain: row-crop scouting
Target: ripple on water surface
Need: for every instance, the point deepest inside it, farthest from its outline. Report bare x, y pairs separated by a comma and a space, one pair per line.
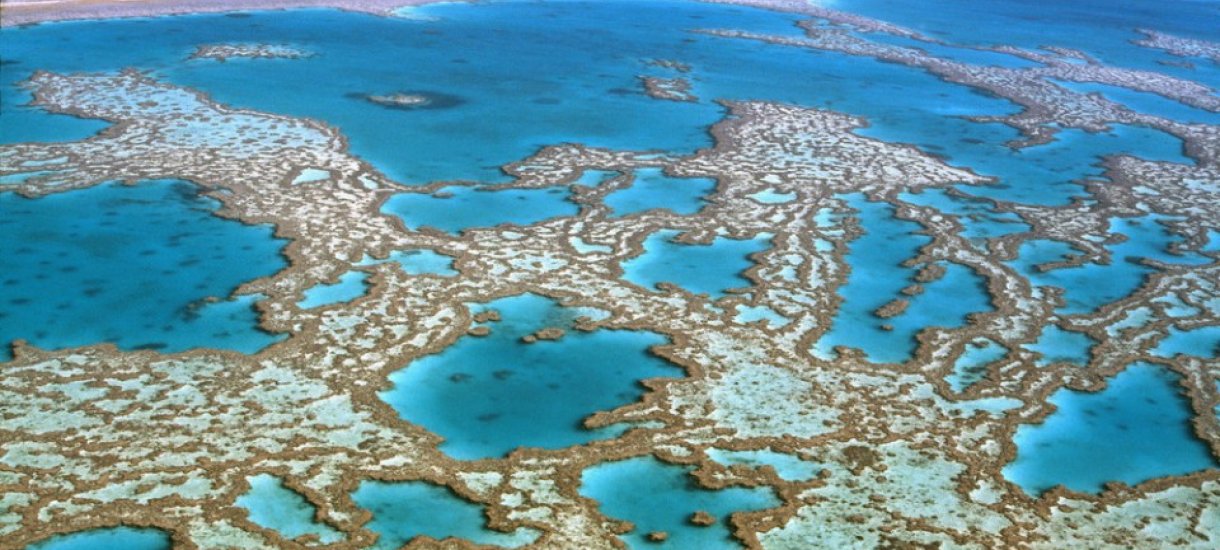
1136, 429
487, 395
403, 511
660, 497
132, 265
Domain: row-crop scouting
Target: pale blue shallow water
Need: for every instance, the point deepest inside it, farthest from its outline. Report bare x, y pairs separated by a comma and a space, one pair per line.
403, 511
109, 538
271, 505
130, 265
788, 467
656, 496
1136, 429
489, 395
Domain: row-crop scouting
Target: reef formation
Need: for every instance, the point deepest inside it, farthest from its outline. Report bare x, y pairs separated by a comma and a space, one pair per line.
95, 436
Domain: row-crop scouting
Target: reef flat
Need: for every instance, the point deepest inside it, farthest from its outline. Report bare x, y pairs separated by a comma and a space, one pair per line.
893, 351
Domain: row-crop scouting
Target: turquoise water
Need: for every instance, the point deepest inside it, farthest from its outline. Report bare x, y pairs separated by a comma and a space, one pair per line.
877, 277
351, 285
787, 467
656, 496
1094, 26
971, 365
529, 86
417, 262
1199, 342
272, 505
1045, 174
403, 511
652, 189
698, 268
1136, 429
591, 178
1146, 102
979, 221
489, 395
130, 265
1090, 286
108, 538
1058, 345
469, 207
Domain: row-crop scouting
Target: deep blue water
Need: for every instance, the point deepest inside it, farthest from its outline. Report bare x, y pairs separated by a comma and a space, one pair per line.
130, 265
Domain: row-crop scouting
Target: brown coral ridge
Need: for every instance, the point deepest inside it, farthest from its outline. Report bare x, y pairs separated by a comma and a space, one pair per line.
903, 458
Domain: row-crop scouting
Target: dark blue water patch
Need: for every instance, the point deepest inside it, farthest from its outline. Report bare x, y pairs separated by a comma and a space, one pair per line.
488, 395
404, 511
1091, 286
659, 497
1136, 429
130, 265
271, 505
455, 209
710, 269
652, 189
108, 538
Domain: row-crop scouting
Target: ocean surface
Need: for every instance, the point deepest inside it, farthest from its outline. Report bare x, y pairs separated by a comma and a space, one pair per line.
148, 266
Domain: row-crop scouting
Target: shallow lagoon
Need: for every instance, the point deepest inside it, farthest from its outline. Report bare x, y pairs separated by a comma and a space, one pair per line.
488, 395
456, 209
656, 496
273, 506
878, 277
117, 538
1136, 429
708, 269
133, 266
403, 511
